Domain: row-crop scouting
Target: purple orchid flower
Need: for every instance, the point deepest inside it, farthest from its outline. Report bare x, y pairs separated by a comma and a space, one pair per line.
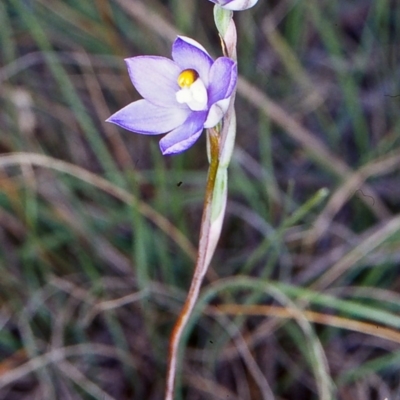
181, 96
235, 5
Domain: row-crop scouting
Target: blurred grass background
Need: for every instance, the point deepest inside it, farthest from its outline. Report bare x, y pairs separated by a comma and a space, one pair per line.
98, 231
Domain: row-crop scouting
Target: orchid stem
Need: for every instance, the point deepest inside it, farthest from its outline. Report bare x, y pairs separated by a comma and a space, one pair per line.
200, 267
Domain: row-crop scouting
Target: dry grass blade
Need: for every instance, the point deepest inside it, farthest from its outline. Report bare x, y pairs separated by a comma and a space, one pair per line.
148, 18
350, 187
248, 358
58, 355
106, 186
312, 316
112, 304
358, 253
211, 388
80, 379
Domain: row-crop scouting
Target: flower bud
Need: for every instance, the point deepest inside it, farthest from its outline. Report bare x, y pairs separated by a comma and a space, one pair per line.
235, 5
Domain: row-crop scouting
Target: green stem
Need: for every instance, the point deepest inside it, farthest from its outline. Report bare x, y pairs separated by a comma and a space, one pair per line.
200, 268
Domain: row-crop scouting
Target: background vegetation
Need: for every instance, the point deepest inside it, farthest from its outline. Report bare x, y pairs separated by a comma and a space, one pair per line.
98, 231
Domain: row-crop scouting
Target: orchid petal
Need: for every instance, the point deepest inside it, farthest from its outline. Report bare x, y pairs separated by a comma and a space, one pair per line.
189, 54
223, 77
144, 117
183, 111
184, 136
235, 5
216, 112
155, 78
